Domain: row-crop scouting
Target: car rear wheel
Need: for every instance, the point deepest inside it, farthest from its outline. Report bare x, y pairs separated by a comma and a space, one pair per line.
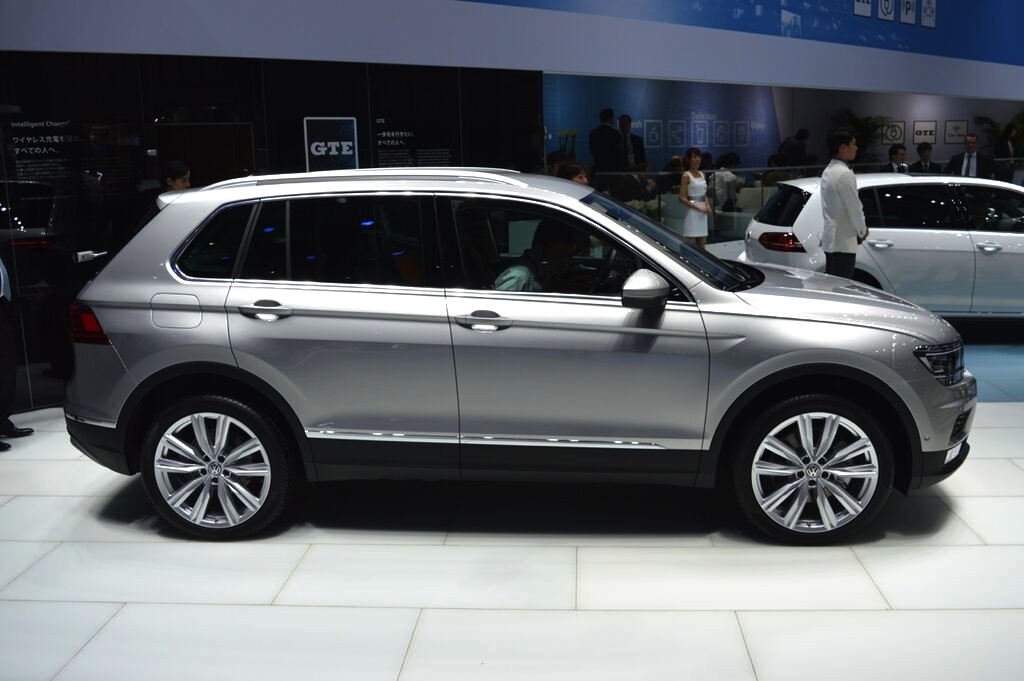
216, 468
813, 469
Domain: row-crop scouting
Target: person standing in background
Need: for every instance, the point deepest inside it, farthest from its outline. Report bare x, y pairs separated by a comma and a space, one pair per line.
924, 163
606, 148
1004, 152
693, 193
632, 145
8, 362
845, 228
971, 163
897, 160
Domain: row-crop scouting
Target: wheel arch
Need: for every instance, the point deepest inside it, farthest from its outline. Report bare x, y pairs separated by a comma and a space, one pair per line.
846, 382
198, 378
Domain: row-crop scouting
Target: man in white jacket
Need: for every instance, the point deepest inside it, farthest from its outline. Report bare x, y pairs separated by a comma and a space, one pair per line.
845, 228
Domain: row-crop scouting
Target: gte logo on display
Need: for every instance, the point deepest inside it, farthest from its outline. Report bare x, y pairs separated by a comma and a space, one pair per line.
330, 143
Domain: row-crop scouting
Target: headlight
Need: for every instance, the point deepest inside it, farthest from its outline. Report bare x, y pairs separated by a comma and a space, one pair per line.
946, 362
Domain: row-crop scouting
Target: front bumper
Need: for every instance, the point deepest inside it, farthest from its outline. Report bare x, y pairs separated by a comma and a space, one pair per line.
102, 445
934, 469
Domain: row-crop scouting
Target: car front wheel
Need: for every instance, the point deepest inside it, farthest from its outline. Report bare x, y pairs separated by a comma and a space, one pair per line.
813, 469
215, 468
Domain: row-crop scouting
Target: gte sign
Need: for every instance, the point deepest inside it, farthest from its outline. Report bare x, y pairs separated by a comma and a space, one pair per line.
331, 143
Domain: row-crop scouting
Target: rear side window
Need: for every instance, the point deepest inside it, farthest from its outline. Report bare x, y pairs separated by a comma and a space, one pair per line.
339, 239
872, 213
783, 207
994, 210
213, 252
922, 206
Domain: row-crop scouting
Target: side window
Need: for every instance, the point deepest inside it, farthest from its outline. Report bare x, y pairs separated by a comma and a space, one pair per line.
511, 246
994, 210
357, 240
872, 213
213, 252
921, 206
265, 258
338, 239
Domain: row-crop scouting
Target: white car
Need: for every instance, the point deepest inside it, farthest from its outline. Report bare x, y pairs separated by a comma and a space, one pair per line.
954, 245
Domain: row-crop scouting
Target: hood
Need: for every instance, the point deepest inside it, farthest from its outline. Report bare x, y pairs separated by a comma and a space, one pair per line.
802, 294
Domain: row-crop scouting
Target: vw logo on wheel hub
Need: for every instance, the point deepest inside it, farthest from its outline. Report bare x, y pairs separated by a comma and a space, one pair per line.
215, 468
813, 471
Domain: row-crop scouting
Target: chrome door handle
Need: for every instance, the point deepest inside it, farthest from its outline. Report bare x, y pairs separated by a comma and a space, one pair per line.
265, 310
989, 246
880, 244
483, 320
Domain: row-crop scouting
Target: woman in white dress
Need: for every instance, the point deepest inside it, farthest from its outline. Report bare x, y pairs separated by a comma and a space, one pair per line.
693, 194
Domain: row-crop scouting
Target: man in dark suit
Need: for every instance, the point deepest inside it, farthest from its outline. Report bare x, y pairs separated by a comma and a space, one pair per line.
924, 163
897, 160
632, 145
971, 163
8, 362
606, 148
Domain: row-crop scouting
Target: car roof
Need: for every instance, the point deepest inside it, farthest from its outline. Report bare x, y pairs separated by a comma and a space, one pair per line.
811, 184
424, 179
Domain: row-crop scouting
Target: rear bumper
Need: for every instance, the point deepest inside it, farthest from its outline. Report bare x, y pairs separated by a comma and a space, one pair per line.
102, 445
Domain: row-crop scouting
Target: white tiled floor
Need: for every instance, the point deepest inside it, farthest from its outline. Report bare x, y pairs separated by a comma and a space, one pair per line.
408, 582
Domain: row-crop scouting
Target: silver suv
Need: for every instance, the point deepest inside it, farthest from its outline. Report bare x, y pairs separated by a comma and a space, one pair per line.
446, 324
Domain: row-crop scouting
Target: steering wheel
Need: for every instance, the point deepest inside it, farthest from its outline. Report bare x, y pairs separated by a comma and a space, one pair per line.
605, 273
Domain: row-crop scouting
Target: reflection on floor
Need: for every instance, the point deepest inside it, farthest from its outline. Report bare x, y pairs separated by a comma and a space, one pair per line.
418, 581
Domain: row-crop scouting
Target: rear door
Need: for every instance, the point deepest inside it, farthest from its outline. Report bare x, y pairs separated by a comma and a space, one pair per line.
338, 307
920, 246
996, 218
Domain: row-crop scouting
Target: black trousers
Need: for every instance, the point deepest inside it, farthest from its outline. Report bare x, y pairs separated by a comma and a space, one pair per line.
840, 264
8, 360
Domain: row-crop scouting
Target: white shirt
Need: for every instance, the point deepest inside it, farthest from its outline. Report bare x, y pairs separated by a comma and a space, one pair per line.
841, 208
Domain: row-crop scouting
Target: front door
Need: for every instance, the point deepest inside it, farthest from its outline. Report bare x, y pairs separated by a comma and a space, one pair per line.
555, 376
996, 217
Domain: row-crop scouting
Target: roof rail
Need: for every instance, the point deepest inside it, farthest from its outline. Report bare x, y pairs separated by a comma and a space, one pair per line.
497, 175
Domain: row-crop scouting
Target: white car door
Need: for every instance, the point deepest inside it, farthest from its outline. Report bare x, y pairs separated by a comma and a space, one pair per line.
920, 246
997, 219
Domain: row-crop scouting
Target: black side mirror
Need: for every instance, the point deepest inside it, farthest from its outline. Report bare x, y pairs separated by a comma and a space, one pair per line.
646, 290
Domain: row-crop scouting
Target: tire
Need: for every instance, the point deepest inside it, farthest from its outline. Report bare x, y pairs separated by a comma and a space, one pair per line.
811, 500
197, 486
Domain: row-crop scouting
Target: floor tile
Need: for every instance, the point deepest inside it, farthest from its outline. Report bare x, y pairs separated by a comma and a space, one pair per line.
18, 556
158, 573
748, 578
175, 642
982, 646
123, 517
60, 478
40, 638
980, 478
434, 577
51, 418
998, 520
999, 414
995, 443
1019, 462
495, 646
4, 500
915, 520
41, 446
947, 577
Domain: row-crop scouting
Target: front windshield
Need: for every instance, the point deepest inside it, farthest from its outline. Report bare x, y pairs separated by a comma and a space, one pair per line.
700, 262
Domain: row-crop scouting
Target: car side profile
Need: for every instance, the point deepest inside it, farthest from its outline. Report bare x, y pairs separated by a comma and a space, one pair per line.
954, 245
361, 325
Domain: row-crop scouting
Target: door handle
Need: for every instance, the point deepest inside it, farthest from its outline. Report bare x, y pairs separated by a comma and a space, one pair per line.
265, 310
880, 244
989, 246
483, 320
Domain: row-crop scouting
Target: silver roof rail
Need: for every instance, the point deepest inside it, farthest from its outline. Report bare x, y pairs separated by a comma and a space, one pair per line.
496, 175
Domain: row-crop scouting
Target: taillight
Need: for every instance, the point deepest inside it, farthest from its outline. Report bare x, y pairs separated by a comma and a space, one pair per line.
85, 327
781, 241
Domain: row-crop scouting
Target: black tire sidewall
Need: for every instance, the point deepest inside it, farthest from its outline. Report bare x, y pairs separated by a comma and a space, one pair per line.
273, 444
743, 461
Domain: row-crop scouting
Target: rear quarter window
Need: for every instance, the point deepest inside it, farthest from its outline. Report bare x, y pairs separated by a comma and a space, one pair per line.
783, 207
214, 250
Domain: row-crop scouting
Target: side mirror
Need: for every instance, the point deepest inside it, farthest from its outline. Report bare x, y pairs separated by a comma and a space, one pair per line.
645, 290
87, 256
